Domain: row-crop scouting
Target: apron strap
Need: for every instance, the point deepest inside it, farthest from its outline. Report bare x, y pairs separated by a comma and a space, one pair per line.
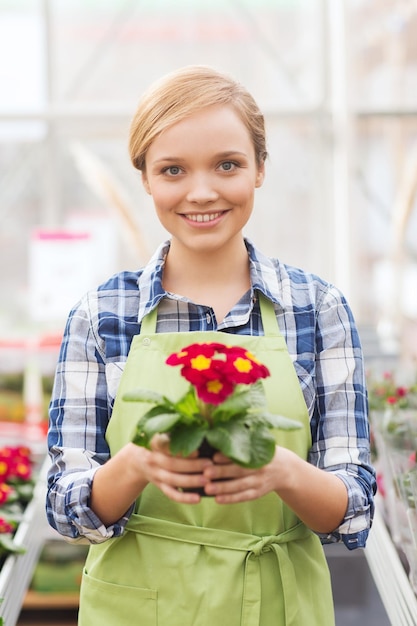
148, 325
269, 319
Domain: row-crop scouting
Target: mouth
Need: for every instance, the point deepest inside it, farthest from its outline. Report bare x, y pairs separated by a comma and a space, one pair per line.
203, 217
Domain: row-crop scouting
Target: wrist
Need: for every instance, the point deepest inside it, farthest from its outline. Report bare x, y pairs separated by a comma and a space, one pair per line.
286, 462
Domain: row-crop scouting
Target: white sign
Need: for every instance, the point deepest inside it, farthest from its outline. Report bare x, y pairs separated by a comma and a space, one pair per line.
61, 269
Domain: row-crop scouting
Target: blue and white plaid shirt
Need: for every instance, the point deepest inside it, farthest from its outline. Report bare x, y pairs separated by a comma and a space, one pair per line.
323, 343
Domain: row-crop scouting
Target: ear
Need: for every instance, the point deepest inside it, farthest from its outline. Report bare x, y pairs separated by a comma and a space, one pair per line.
260, 177
145, 183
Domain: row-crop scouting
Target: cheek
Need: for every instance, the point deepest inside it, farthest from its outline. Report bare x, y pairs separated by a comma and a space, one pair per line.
242, 194
164, 199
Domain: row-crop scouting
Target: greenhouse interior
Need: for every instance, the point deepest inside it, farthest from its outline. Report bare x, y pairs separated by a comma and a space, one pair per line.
336, 81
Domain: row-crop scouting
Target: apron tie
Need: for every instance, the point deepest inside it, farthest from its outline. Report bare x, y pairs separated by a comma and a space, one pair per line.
253, 545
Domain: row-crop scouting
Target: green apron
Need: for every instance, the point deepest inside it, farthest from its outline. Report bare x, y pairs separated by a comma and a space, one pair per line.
245, 564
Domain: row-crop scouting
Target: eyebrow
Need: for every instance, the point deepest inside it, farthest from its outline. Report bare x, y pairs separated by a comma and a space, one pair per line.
221, 155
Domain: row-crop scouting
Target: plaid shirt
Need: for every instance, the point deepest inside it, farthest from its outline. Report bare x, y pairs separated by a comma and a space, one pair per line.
322, 341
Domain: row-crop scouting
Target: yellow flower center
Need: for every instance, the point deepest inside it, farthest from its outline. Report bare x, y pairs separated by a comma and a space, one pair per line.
200, 363
214, 386
243, 365
253, 358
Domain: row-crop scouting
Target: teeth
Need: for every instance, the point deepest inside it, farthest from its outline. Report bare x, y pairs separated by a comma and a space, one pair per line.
206, 217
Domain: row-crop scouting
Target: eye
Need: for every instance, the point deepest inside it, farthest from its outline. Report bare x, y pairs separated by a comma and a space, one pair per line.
228, 166
172, 170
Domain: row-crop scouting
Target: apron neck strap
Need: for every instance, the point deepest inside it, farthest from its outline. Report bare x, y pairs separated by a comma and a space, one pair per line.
148, 325
269, 319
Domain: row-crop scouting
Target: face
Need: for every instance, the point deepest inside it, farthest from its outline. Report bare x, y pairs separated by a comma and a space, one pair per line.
202, 175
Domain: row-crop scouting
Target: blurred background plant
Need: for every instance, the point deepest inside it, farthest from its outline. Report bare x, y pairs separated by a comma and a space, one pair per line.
16, 490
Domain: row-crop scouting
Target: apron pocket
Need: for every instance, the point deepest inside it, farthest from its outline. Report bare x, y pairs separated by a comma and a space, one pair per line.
132, 605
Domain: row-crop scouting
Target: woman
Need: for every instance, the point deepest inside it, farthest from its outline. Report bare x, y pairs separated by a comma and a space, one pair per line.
251, 553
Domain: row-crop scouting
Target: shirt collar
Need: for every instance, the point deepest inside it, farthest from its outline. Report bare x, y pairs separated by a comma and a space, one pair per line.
150, 286
263, 273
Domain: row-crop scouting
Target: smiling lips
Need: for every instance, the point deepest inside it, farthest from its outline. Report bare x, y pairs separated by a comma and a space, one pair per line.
203, 217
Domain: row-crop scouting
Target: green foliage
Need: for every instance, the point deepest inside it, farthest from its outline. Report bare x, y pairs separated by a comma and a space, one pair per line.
239, 427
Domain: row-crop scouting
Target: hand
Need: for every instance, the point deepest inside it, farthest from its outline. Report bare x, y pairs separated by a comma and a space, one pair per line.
173, 473
239, 484
319, 498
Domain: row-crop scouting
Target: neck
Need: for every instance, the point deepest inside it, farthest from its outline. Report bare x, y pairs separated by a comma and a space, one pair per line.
217, 279
215, 266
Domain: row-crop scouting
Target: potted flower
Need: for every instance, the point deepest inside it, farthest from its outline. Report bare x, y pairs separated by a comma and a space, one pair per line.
21, 511
223, 407
393, 417
393, 412
16, 490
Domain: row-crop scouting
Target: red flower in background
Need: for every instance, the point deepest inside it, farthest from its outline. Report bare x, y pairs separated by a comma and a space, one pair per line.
386, 393
15, 470
15, 463
5, 492
5, 526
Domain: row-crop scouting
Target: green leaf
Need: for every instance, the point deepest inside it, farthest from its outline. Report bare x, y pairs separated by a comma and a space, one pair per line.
140, 439
187, 405
12, 511
233, 440
25, 491
160, 424
280, 421
7, 545
253, 446
251, 397
262, 447
185, 439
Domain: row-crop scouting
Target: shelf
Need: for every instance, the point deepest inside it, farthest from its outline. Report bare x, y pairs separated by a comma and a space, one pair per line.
388, 572
16, 573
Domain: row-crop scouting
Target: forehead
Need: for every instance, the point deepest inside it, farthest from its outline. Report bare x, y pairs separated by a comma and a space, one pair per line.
209, 127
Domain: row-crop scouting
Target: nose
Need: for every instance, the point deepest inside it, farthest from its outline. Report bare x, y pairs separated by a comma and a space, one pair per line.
201, 189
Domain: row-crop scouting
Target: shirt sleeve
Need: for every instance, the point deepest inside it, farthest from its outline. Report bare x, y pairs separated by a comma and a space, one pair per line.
79, 415
339, 424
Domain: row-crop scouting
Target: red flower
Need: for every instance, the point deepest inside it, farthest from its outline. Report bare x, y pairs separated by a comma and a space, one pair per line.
22, 469
5, 491
214, 391
15, 462
4, 468
193, 351
215, 369
380, 483
5, 527
245, 367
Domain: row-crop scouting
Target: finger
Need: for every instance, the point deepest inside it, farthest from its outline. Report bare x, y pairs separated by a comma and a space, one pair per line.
218, 471
160, 443
236, 489
179, 496
220, 458
180, 465
235, 498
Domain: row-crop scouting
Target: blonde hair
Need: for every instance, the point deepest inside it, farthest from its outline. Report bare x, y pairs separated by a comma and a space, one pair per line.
184, 92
